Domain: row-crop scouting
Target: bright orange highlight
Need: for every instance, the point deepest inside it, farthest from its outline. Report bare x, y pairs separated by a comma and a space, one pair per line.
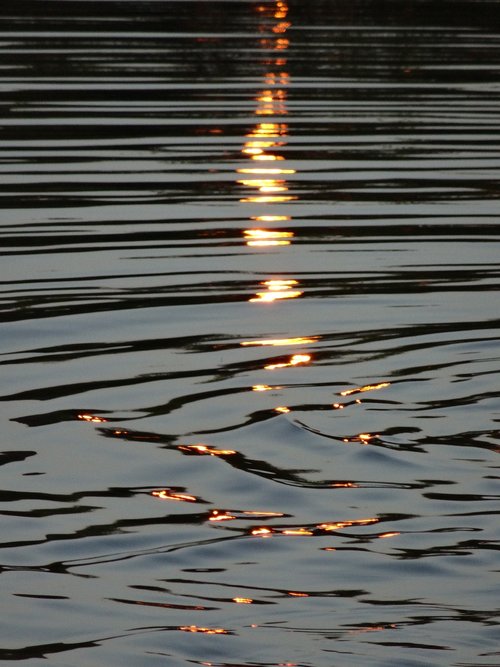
368, 387
295, 360
205, 449
276, 290
206, 631
167, 494
92, 418
277, 342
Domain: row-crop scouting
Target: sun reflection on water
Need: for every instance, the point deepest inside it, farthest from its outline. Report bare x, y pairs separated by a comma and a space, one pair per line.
169, 494
368, 387
206, 631
294, 360
277, 290
276, 342
91, 418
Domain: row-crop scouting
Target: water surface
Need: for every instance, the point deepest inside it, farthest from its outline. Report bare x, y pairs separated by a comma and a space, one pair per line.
249, 341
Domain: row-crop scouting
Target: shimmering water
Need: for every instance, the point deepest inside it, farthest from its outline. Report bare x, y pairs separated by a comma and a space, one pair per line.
249, 342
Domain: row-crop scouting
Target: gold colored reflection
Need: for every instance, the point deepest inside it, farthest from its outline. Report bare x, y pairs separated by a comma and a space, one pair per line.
281, 27
91, 418
269, 157
276, 342
318, 530
206, 631
282, 408
269, 130
264, 184
168, 494
281, 11
294, 360
368, 387
276, 290
262, 387
263, 237
364, 438
205, 449
297, 531
295, 594
243, 600
384, 535
279, 44
221, 515
271, 218
346, 524
264, 171
267, 199
345, 485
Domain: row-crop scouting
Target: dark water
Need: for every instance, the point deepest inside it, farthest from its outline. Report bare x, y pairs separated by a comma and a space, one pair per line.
249, 343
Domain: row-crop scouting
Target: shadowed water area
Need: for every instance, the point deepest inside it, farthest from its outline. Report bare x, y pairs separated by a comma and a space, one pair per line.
249, 333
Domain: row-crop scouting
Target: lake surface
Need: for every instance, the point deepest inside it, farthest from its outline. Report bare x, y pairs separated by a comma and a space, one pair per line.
249, 352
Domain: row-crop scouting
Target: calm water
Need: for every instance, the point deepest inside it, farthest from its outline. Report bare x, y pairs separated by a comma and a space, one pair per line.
249, 343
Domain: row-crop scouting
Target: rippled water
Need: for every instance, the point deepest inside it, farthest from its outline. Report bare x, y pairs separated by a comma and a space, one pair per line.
249, 342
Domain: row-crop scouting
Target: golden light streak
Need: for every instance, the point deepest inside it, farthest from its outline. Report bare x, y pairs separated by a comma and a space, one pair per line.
364, 438
345, 485
368, 387
269, 130
384, 535
266, 244
267, 156
91, 418
261, 387
297, 531
206, 631
346, 524
281, 44
217, 515
271, 218
265, 171
262, 532
263, 237
204, 449
282, 408
268, 199
295, 360
272, 296
243, 600
294, 594
277, 289
281, 27
277, 342
167, 494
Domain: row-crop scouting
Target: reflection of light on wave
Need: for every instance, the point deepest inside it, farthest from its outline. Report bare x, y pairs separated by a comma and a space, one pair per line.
364, 438
167, 494
294, 360
276, 342
205, 449
321, 529
206, 631
276, 290
368, 387
91, 418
